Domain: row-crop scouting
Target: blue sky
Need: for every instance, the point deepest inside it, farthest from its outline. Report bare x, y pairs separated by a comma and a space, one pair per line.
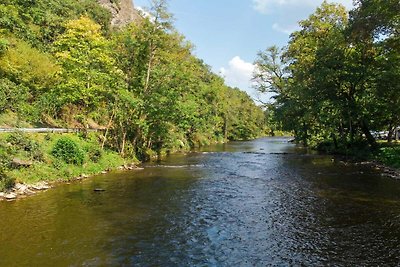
227, 34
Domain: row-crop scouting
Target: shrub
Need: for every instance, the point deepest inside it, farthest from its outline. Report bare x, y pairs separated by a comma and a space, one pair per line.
95, 154
68, 151
6, 182
11, 95
390, 156
21, 142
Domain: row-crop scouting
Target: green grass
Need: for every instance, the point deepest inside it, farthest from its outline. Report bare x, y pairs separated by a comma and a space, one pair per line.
47, 167
389, 155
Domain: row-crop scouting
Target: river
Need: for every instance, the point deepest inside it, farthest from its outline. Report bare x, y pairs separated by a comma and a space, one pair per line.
257, 203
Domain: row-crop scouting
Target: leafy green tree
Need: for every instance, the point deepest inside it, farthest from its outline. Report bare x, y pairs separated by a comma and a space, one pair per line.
89, 74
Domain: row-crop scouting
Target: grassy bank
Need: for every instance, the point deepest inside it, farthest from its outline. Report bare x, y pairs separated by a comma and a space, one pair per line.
387, 154
30, 158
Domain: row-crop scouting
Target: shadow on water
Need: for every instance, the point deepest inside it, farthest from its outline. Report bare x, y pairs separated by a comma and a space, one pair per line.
256, 203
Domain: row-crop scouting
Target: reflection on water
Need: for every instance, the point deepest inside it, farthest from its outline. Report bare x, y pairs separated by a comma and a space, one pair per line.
257, 203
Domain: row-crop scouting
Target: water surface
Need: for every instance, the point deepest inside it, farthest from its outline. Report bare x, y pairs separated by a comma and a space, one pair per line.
256, 203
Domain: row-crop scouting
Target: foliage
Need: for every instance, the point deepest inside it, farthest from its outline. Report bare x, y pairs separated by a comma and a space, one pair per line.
62, 65
336, 79
390, 156
12, 96
68, 151
20, 144
6, 182
88, 71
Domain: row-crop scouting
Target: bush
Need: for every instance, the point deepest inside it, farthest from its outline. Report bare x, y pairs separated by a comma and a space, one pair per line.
390, 156
68, 151
11, 95
95, 154
21, 142
6, 182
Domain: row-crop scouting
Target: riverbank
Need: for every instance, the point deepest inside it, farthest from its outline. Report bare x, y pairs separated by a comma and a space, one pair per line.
34, 162
385, 157
22, 190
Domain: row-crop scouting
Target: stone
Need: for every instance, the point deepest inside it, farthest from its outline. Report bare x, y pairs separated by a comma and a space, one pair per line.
19, 163
29, 192
122, 12
40, 186
18, 186
10, 196
103, 172
21, 189
84, 175
99, 190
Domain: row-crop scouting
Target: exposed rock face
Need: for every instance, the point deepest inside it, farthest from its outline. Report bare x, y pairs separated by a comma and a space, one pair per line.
123, 11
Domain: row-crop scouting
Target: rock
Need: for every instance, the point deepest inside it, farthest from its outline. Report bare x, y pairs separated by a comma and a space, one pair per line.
18, 186
29, 192
132, 166
99, 190
40, 186
10, 196
21, 189
122, 12
104, 172
19, 163
84, 175
2, 194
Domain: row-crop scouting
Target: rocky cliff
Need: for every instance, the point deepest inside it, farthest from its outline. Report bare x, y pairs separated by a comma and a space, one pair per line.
123, 11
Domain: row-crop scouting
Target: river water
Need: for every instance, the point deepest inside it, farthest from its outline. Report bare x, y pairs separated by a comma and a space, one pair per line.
256, 203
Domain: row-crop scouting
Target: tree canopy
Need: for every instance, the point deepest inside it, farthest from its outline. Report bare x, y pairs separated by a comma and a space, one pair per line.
337, 79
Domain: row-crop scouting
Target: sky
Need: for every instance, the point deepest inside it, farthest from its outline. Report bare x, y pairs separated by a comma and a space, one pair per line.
227, 34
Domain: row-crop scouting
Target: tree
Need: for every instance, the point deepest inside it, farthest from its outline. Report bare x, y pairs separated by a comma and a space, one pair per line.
89, 73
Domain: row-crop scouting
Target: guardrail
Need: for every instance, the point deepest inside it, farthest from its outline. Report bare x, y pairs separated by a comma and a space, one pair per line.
46, 130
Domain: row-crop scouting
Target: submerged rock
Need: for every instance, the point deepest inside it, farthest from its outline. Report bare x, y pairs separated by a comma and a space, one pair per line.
99, 190
131, 167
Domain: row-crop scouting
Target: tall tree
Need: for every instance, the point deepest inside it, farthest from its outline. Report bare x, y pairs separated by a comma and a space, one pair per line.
88, 73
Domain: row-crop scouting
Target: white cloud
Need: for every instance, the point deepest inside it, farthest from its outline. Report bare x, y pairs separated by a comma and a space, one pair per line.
284, 29
286, 14
267, 6
238, 73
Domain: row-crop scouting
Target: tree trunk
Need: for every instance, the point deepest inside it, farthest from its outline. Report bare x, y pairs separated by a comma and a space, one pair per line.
305, 135
390, 134
365, 129
225, 128
123, 143
107, 129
